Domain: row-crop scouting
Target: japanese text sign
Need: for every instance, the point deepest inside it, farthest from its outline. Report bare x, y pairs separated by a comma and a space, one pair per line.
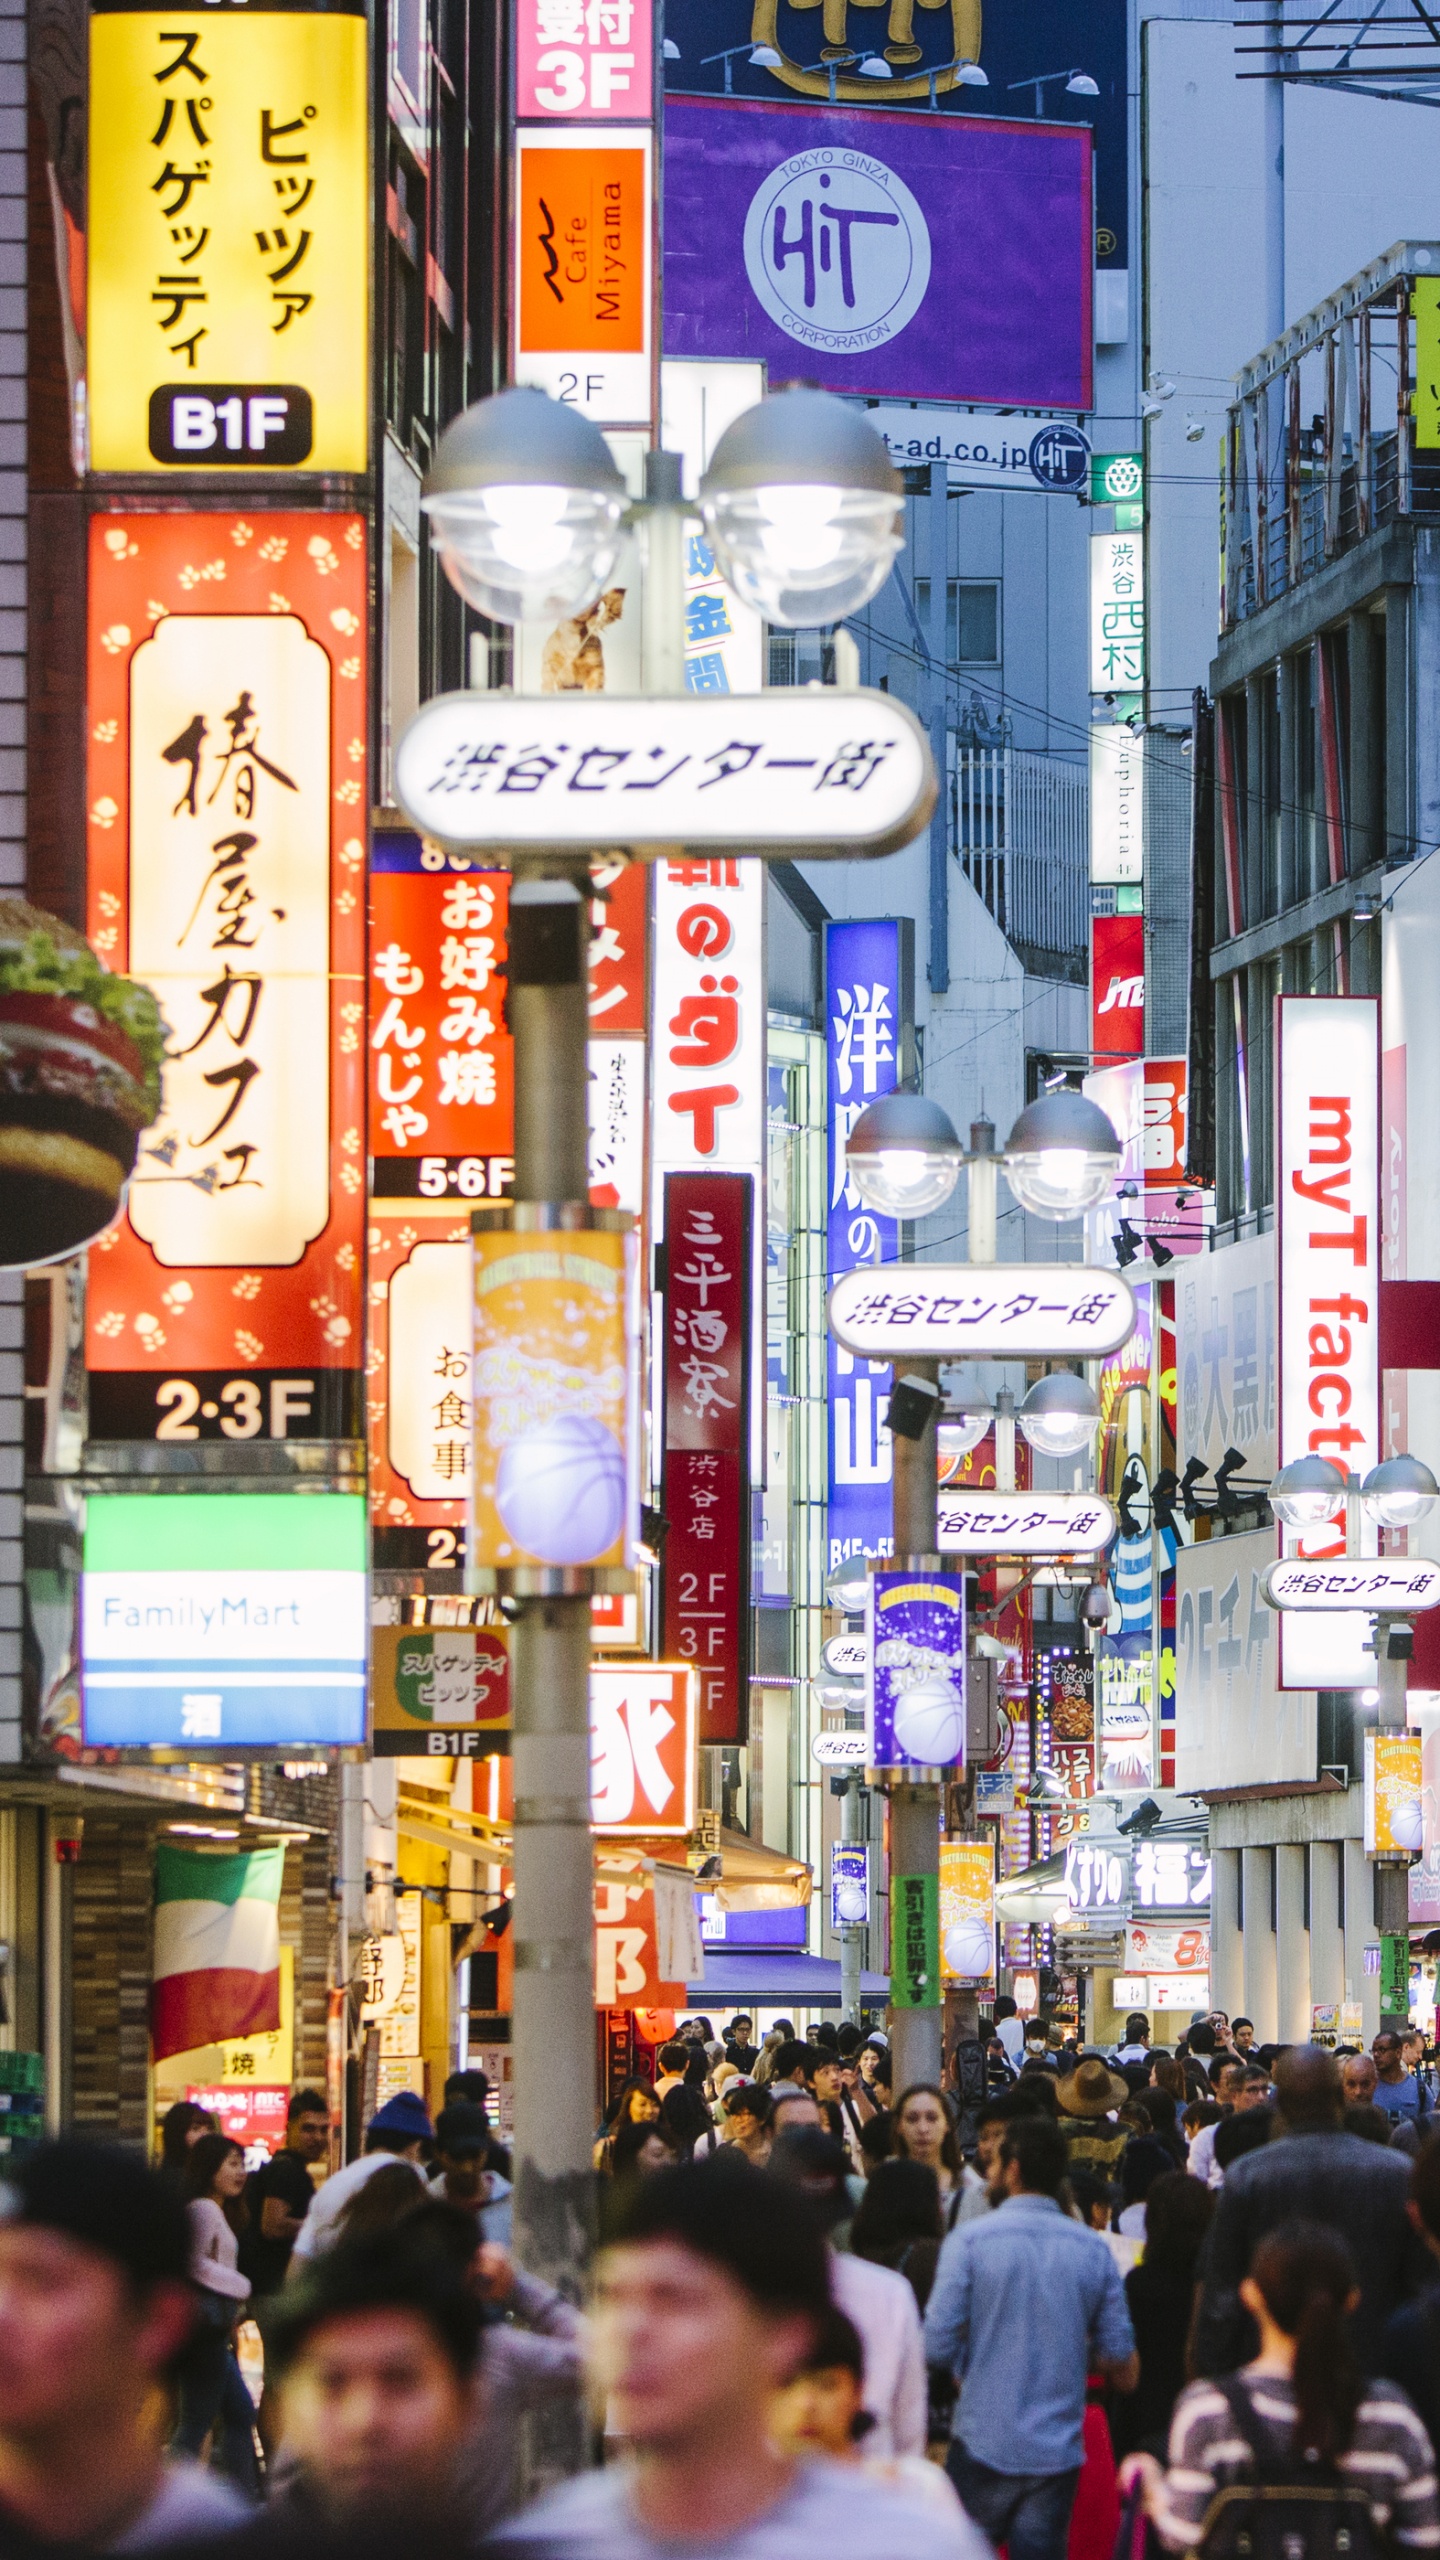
554, 1478
226, 867
1117, 612
583, 59
1171, 1875
1127, 1720
849, 1884
1354, 1582
627, 1952
706, 1368
914, 1942
967, 1911
1003, 1311
583, 267
1097, 1877
915, 1686
1152, 1950
227, 308
251, 2116
819, 773
439, 1691
441, 1061
1117, 987
1024, 1524
1394, 1782
869, 969
642, 1749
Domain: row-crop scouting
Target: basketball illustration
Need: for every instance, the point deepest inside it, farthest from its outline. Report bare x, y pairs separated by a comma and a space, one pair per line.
560, 1489
929, 1722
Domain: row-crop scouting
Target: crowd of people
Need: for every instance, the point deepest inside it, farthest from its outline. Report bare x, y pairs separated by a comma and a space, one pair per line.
1065, 2302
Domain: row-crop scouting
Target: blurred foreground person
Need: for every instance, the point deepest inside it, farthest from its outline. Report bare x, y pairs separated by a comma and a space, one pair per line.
95, 2313
708, 2300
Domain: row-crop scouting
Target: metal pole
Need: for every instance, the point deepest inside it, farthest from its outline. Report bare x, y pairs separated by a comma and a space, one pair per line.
1392, 1875
852, 1935
916, 2034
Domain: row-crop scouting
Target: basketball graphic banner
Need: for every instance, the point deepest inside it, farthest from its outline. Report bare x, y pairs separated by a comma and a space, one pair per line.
915, 1687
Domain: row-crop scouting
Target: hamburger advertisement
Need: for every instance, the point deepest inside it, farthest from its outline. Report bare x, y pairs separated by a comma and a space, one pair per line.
80, 1065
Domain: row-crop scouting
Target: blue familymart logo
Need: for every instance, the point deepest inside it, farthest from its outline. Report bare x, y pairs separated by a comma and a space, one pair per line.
837, 250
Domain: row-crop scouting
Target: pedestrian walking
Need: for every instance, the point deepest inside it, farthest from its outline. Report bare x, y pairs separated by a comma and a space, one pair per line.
465, 2176
1312, 2170
923, 2131
180, 2128
96, 2310
634, 2102
533, 2358
1088, 2099
880, 2302
823, 2411
1398, 2089
214, 2401
1026, 2304
1410, 2345
1299, 2414
397, 2131
279, 2195
745, 2113
1160, 2297
640, 2149
898, 2224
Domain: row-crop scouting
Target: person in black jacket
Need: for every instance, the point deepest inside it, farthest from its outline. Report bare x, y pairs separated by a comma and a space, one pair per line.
1410, 2348
1161, 2296
1311, 2171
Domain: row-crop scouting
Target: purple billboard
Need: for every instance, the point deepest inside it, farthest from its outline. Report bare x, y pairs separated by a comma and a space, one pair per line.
911, 256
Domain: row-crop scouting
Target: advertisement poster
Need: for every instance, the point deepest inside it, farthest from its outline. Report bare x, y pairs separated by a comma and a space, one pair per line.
849, 1884
441, 1691
705, 1483
1127, 1722
914, 1942
915, 1685
967, 1911
869, 998
627, 1950
226, 866
1152, 1950
554, 1454
1117, 987
583, 307
1394, 1822
818, 239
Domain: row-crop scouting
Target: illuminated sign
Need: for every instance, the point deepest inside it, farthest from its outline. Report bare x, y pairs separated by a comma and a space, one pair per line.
1354, 1582
1023, 1524
1394, 1790
583, 58
705, 1487
555, 1433
227, 308
643, 1758
1117, 804
1003, 1311
218, 1622
226, 867
1117, 612
915, 1682
869, 1002
584, 259
967, 1911
439, 1691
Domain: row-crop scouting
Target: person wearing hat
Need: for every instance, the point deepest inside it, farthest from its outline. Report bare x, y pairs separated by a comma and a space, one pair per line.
397, 2131
1088, 2097
463, 2145
96, 2311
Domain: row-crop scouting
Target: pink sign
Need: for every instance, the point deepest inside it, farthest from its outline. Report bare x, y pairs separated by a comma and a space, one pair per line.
583, 61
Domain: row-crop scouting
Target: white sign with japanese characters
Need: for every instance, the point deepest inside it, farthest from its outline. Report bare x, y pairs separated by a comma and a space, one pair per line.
817, 773
1023, 1524
994, 1311
642, 1748
839, 1750
1234, 1725
1354, 1582
1117, 612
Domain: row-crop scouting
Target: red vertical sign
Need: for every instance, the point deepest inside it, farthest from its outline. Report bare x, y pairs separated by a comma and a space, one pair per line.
705, 1603
1117, 988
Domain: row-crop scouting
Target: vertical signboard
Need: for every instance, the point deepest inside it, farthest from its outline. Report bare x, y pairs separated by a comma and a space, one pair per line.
1328, 1228
583, 58
584, 266
228, 178
226, 867
1117, 612
643, 1765
915, 1675
554, 1462
915, 1942
1117, 988
967, 1911
849, 1884
1117, 805
706, 1370
869, 980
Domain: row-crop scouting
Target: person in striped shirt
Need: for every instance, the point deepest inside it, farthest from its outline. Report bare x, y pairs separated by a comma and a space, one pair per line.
1311, 2401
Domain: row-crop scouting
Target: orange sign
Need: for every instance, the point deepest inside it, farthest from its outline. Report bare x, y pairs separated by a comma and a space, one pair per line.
643, 1749
226, 800
582, 225
627, 1952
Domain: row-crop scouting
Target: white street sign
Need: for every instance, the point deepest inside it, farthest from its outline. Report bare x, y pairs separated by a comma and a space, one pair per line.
817, 773
838, 1750
982, 1311
848, 1657
1048, 455
1354, 1582
1023, 1524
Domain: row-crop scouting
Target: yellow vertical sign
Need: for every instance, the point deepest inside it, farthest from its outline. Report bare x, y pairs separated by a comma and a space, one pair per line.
228, 275
1425, 306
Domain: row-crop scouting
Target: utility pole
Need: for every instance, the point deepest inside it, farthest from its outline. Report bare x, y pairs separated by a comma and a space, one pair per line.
916, 2034
1393, 1646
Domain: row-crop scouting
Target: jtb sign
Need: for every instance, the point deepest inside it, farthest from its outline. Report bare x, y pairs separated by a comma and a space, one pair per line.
868, 977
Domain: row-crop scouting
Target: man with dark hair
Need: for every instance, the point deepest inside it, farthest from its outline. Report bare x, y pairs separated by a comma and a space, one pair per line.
740, 2045
397, 2131
1025, 2305
1312, 2171
95, 2311
1009, 2027
790, 2107
791, 2060
1242, 2036
466, 2178
373, 2354
708, 2299
1400, 2092
279, 2196
674, 2061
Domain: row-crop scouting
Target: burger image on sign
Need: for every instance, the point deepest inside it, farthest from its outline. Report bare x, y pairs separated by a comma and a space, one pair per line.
81, 1051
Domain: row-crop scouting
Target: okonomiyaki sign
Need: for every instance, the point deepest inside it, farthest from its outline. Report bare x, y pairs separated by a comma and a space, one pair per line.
837, 250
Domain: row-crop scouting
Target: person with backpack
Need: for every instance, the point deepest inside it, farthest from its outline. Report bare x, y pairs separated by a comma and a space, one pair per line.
1297, 2453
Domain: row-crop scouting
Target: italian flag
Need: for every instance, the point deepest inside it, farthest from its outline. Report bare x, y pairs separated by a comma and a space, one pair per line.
217, 1947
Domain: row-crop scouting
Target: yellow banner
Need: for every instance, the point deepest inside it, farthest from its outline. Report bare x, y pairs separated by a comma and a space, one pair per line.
228, 278
1426, 308
554, 1440
967, 1911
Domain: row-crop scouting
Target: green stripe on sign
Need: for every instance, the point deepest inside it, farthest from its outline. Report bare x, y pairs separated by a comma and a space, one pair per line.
224, 1532
196, 1875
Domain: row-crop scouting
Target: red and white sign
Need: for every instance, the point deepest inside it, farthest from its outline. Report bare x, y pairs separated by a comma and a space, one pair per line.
254, 2117
1168, 1950
634, 1933
1117, 988
583, 60
705, 1490
642, 1749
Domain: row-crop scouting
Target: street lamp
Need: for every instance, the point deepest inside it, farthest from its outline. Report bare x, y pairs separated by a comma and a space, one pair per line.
1078, 85
846, 1587
1399, 1492
525, 505
1059, 1415
962, 1426
903, 1155
802, 505
1062, 1155
1307, 1493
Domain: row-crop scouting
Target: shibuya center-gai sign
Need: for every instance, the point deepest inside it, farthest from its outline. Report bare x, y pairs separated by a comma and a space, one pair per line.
990, 1311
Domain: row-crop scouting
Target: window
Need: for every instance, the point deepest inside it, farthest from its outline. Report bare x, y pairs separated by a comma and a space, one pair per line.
972, 620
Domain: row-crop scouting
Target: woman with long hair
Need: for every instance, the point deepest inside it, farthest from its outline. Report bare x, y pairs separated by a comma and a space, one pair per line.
212, 2389
898, 2222
634, 2102
390, 2196
923, 2131
1166, 2074
180, 2128
1305, 2401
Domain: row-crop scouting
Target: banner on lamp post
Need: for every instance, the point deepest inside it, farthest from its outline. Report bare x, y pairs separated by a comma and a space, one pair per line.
869, 1004
915, 1683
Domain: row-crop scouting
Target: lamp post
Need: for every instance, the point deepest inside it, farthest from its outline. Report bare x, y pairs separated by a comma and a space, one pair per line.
526, 508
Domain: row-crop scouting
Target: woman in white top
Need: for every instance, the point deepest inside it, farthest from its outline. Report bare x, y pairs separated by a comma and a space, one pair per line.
213, 2398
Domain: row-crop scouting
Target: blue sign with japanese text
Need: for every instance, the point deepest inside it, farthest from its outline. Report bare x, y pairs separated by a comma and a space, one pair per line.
867, 981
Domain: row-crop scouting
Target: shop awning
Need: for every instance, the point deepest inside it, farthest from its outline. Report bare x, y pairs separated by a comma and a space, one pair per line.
776, 1978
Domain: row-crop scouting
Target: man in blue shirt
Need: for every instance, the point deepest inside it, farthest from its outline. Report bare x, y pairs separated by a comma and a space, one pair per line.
1398, 2091
1024, 2306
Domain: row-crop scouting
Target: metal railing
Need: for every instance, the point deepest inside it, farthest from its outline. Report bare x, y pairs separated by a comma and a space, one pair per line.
1020, 827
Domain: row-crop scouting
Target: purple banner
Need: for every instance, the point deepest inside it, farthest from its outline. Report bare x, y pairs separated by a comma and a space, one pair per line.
901, 255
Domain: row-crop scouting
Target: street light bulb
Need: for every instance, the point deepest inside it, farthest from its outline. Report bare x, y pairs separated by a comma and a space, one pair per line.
1080, 85
1399, 1492
903, 1155
1307, 1493
525, 504
846, 1587
1059, 1415
802, 505
1062, 1156
963, 1426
